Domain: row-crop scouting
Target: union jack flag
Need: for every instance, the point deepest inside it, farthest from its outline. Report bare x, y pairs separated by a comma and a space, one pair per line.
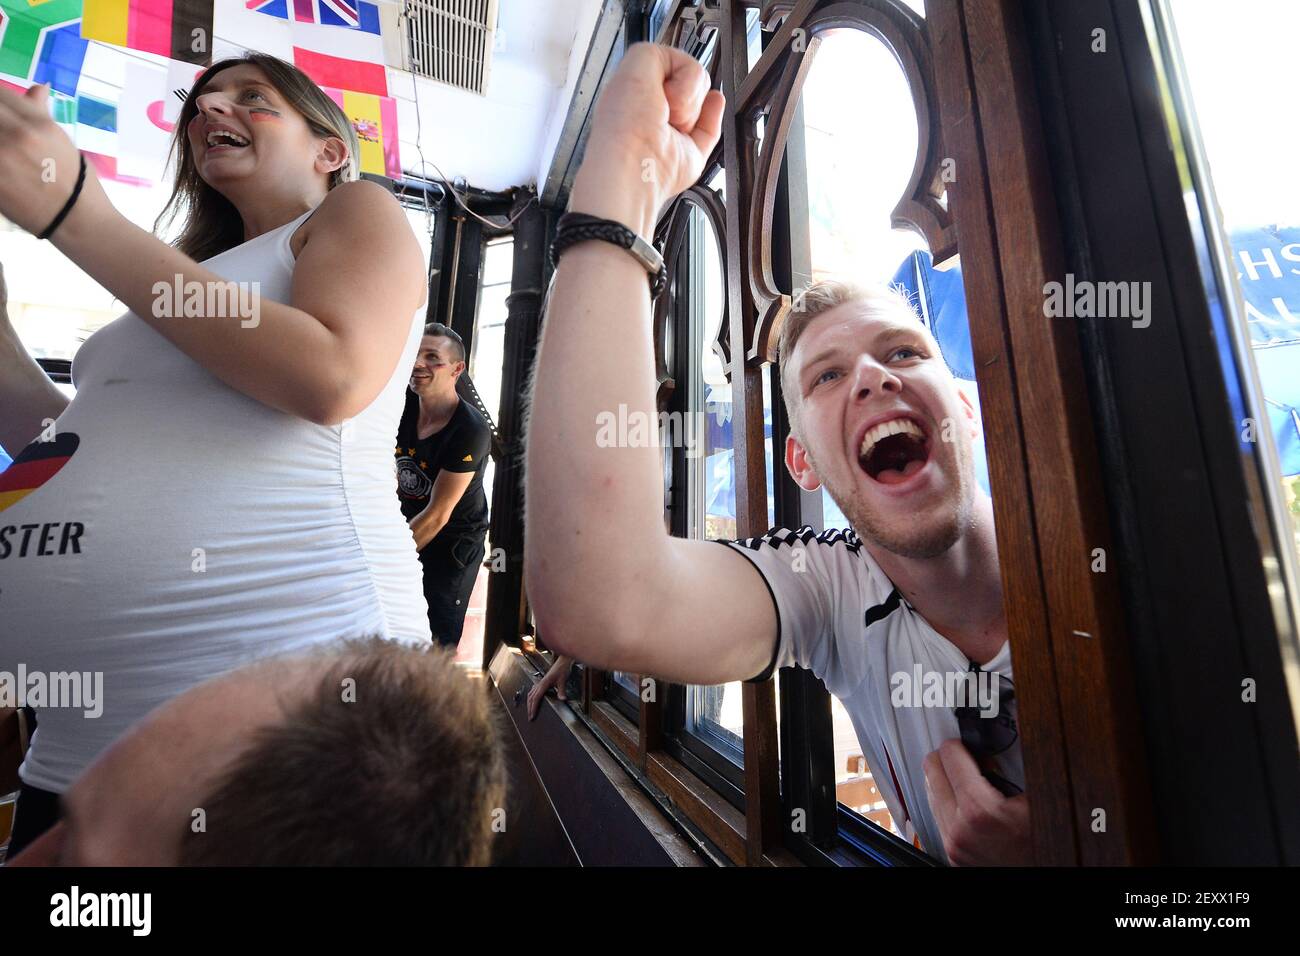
354, 14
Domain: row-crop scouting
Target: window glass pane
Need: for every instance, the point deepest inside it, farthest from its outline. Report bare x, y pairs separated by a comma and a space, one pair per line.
855, 786
921, 490
626, 681
490, 328
1238, 158
718, 181
769, 458
1259, 205
713, 714
657, 14
753, 36
488, 347
712, 486
498, 262
421, 221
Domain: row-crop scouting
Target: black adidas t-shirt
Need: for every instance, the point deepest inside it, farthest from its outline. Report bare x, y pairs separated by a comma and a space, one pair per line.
461, 446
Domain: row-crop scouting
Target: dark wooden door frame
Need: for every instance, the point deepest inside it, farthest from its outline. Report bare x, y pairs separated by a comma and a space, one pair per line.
1191, 541
1085, 767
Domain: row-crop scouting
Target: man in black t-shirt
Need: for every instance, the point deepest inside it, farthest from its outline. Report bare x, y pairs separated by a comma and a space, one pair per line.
442, 448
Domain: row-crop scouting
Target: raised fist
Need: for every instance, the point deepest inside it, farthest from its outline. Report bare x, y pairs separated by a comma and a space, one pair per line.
654, 126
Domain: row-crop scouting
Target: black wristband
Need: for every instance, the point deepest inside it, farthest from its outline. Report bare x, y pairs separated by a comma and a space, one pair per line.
576, 227
67, 206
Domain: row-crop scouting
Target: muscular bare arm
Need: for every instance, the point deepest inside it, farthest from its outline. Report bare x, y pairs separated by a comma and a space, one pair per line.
608, 585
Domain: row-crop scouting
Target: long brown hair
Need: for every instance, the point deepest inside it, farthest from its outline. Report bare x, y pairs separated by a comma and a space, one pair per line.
210, 222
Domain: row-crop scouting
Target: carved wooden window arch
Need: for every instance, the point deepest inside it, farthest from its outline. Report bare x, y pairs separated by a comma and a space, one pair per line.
772, 90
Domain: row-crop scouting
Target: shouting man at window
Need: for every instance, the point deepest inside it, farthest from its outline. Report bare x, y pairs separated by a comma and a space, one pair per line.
902, 617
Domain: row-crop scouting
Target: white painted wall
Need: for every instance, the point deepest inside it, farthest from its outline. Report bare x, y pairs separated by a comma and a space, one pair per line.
584, 23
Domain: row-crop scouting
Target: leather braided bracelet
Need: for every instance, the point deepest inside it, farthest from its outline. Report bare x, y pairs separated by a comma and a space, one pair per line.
576, 227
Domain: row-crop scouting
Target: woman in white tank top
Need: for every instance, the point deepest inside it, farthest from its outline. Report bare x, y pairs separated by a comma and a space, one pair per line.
221, 487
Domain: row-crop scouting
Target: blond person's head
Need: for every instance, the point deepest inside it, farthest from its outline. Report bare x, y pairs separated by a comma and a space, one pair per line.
876, 416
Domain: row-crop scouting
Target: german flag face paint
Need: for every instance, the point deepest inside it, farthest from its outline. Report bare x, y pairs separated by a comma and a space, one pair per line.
38, 463
262, 114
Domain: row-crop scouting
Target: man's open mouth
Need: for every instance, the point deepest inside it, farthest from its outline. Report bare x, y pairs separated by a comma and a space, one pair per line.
894, 451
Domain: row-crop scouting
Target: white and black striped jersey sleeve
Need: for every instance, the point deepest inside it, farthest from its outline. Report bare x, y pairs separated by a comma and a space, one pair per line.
811, 577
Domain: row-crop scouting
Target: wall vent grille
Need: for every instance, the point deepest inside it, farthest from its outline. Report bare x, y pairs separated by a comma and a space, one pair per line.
450, 41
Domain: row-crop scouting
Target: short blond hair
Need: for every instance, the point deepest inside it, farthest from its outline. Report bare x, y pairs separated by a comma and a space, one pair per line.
820, 298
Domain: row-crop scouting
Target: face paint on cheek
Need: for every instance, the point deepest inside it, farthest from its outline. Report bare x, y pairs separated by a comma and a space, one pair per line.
262, 114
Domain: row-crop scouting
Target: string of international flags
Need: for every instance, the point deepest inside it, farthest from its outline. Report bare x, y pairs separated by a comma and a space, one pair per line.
112, 64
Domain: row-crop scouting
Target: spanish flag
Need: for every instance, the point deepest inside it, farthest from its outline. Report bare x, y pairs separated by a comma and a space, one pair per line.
38, 463
177, 29
375, 120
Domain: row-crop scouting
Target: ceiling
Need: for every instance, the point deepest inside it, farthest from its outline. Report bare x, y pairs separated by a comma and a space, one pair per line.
505, 138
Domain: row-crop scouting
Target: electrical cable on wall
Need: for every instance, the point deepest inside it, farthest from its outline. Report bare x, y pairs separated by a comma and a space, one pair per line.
424, 164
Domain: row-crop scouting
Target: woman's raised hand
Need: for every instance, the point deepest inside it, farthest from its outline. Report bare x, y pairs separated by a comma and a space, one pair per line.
655, 125
38, 163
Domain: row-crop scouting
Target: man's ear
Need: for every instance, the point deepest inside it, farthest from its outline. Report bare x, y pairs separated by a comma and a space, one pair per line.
800, 465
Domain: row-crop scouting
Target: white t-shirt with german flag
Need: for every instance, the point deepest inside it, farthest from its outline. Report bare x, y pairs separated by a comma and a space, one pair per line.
171, 529
840, 617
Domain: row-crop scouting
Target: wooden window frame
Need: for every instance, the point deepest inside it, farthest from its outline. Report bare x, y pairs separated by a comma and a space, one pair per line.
965, 63
1203, 607
1011, 95
1062, 162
